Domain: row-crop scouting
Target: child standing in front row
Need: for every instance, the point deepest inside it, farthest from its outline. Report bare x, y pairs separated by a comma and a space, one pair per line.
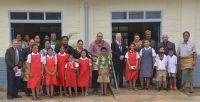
172, 68
147, 61
103, 63
132, 58
50, 66
34, 61
71, 68
62, 59
84, 73
95, 74
161, 71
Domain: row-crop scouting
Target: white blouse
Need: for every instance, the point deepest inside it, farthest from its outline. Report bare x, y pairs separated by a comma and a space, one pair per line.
29, 57
172, 63
44, 59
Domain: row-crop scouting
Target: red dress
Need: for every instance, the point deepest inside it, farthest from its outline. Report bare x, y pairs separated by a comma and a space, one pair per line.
84, 72
62, 59
36, 71
71, 80
131, 74
49, 79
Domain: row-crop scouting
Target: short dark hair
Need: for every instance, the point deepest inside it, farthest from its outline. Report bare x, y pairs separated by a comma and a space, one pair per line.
79, 41
186, 32
65, 37
137, 34
34, 45
160, 47
50, 49
103, 48
84, 50
132, 44
170, 49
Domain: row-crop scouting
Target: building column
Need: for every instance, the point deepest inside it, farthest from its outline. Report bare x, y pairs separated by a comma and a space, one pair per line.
86, 23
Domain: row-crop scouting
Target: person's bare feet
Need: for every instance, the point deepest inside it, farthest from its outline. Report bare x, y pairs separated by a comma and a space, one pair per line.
82, 94
86, 94
192, 90
70, 95
183, 90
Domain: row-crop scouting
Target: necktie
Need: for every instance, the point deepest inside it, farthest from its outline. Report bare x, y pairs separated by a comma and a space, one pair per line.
120, 47
16, 57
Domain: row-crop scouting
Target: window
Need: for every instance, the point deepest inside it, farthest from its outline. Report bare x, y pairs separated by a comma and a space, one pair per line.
36, 16
153, 15
53, 16
119, 15
136, 15
18, 15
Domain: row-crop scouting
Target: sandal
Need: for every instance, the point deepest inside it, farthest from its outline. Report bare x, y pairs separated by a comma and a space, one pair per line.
191, 91
33, 98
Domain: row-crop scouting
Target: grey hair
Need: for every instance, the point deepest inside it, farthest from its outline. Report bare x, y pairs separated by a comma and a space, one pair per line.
147, 31
15, 40
117, 34
165, 35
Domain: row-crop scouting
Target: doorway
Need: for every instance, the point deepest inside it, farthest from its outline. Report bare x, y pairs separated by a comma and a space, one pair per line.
129, 29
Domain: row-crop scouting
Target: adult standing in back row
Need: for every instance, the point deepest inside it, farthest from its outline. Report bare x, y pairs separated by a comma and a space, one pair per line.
187, 57
118, 56
13, 58
148, 37
166, 44
95, 49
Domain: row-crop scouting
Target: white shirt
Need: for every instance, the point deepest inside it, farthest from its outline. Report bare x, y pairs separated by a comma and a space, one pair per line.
153, 51
62, 54
172, 62
44, 59
137, 55
164, 57
76, 64
86, 59
29, 57
161, 64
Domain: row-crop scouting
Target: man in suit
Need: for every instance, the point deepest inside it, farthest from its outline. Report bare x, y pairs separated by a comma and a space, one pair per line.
166, 44
118, 52
13, 58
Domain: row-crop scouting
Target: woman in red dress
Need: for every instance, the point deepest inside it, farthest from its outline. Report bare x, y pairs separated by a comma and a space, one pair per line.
132, 58
34, 61
84, 72
50, 66
70, 75
62, 59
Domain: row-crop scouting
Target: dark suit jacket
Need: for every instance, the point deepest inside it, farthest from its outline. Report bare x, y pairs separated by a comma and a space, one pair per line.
116, 53
169, 45
10, 58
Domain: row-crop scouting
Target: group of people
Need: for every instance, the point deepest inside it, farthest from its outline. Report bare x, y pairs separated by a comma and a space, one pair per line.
51, 65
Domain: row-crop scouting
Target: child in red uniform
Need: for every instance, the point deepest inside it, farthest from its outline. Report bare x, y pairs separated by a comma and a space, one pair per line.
62, 59
34, 61
70, 75
131, 73
50, 66
84, 72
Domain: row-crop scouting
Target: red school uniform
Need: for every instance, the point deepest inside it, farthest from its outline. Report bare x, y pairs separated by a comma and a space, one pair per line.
132, 58
62, 59
71, 80
84, 72
50, 62
34, 79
